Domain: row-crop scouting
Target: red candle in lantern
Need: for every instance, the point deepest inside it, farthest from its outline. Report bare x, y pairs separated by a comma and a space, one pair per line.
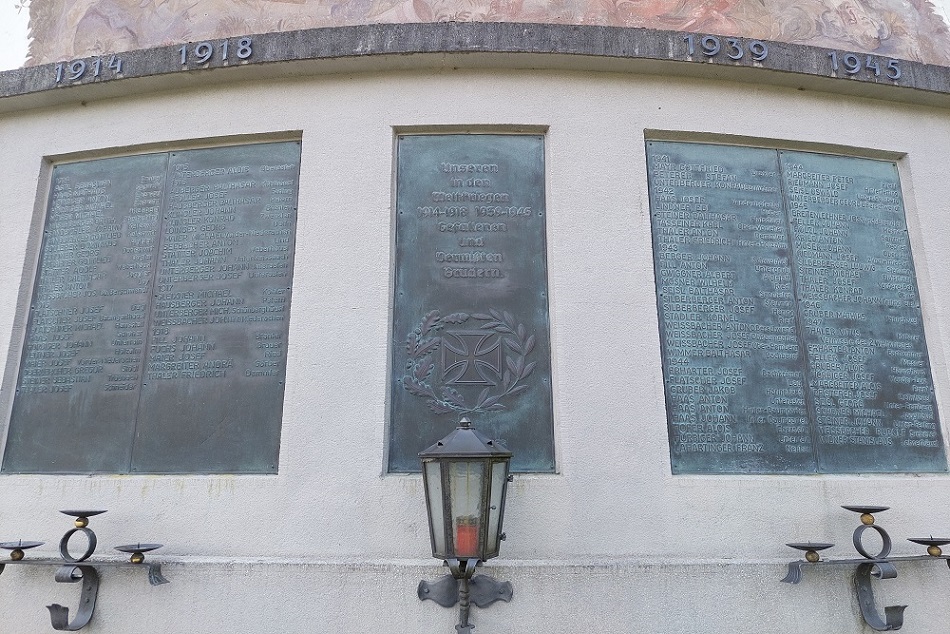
466, 536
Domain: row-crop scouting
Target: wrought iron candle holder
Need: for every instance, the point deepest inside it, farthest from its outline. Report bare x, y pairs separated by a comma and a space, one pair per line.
77, 568
879, 565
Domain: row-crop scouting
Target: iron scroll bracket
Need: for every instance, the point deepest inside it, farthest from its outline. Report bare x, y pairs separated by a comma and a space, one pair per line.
59, 614
893, 614
88, 573
870, 566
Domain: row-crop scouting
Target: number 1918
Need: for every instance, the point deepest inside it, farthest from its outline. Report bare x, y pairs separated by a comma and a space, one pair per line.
204, 51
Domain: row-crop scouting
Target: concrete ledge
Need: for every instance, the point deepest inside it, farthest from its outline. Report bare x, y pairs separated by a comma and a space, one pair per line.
285, 598
380, 47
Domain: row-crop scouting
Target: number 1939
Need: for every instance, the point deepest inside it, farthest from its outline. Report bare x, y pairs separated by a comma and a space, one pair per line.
711, 46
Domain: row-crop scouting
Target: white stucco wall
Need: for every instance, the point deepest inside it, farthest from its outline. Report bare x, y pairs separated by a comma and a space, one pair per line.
613, 542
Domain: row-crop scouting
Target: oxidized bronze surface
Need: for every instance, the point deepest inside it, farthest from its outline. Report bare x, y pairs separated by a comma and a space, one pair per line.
470, 323
789, 314
157, 333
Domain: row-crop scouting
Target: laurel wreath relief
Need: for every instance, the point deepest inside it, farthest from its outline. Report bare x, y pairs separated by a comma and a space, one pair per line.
424, 341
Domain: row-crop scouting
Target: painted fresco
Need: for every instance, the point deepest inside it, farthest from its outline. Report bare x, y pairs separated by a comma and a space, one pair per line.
905, 29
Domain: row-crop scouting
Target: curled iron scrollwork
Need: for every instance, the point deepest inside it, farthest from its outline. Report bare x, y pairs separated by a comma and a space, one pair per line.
59, 614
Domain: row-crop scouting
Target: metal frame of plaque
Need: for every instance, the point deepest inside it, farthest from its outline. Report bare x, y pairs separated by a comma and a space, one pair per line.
790, 321
470, 331
157, 334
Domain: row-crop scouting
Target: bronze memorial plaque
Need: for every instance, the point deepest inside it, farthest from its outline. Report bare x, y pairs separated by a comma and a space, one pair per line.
158, 324
470, 321
790, 319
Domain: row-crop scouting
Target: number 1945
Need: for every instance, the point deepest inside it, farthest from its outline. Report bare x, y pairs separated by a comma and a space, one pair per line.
852, 65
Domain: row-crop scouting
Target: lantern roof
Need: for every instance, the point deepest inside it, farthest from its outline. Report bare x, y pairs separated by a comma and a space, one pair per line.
466, 442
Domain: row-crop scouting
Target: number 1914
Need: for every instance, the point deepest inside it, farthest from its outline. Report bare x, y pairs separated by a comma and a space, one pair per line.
76, 70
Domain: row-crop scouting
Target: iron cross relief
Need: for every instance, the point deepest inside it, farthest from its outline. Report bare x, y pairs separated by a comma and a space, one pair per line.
471, 358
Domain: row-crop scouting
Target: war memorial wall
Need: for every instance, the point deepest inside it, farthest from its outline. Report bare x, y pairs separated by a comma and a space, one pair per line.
789, 315
692, 410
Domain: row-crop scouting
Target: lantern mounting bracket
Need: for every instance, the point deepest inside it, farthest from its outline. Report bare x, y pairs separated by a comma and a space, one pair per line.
484, 590
462, 587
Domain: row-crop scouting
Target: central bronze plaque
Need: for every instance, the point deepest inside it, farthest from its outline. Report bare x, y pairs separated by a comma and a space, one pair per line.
470, 320
157, 333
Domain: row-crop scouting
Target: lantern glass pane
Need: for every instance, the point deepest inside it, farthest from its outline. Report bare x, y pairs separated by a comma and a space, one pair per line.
436, 506
499, 477
466, 480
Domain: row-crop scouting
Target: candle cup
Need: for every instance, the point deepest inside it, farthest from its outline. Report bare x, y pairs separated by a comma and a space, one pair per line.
811, 550
82, 517
932, 543
866, 512
137, 551
18, 547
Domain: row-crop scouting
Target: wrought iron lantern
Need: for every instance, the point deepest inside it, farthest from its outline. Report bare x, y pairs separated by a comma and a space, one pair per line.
466, 477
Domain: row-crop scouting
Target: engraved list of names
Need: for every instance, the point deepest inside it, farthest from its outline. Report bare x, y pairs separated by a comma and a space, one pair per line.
790, 318
156, 341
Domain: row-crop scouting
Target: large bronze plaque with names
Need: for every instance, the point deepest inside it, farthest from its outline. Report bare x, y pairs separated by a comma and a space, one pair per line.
470, 318
157, 334
790, 319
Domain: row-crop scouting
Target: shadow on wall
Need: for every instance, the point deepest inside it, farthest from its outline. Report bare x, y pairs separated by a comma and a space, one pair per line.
905, 29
